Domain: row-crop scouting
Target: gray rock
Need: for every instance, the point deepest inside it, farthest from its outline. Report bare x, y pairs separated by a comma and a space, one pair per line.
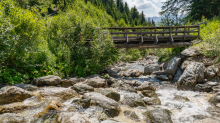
152, 101
133, 100
126, 87
96, 82
193, 74
67, 83
145, 86
12, 118
10, 94
82, 88
132, 73
190, 52
151, 68
215, 99
111, 121
181, 98
158, 116
172, 66
185, 64
211, 71
159, 73
110, 106
112, 73
162, 77
212, 83
133, 82
131, 115
47, 80
207, 120
28, 87
108, 93
203, 88
178, 74
149, 93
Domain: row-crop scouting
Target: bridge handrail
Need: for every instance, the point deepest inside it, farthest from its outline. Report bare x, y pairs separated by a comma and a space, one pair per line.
165, 27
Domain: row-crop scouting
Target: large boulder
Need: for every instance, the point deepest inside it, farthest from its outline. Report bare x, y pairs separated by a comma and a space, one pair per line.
58, 93
151, 68
67, 83
158, 116
146, 86
178, 74
131, 115
203, 88
133, 100
47, 80
193, 74
28, 87
10, 94
110, 106
96, 82
82, 88
12, 118
108, 93
172, 66
190, 52
75, 117
211, 71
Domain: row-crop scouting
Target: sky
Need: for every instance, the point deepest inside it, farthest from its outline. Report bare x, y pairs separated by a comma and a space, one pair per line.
151, 8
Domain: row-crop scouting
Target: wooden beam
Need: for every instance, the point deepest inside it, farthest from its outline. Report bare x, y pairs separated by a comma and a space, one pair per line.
156, 39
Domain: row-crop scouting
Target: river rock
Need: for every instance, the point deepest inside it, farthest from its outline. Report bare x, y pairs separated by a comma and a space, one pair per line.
108, 93
172, 66
75, 117
96, 82
146, 86
10, 94
207, 120
181, 98
211, 71
158, 116
126, 87
203, 88
131, 115
190, 52
185, 64
178, 74
215, 99
110, 106
132, 73
133, 100
133, 82
111, 121
112, 73
149, 93
193, 74
67, 83
82, 88
159, 73
151, 68
162, 77
58, 93
47, 80
28, 87
12, 118
152, 101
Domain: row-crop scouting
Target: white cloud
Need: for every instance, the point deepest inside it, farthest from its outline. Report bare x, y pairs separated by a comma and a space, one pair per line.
149, 9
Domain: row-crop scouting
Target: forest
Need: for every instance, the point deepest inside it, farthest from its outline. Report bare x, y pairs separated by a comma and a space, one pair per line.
47, 37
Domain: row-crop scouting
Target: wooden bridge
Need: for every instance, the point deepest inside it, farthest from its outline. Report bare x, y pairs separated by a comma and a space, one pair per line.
154, 37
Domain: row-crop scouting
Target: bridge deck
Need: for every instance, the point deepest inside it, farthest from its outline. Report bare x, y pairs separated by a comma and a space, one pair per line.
154, 37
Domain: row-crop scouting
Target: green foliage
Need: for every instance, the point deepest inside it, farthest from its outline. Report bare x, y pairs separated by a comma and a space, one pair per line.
127, 55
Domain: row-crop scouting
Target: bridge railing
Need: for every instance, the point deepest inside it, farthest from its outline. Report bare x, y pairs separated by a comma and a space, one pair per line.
156, 34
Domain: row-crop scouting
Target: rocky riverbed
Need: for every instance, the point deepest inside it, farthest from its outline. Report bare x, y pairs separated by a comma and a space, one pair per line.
184, 90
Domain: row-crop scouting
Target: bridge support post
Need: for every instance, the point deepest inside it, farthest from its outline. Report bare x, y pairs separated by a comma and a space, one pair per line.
156, 39
127, 36
142, 41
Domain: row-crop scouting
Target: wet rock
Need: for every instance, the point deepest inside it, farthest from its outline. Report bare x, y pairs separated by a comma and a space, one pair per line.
193, 74
58, 93
82, 88
152, 101
85, 103
162, 77
149, 93
47, 80
158, 116
172, 66
52, 106
28, 87
199, 117
127, 87
203, 88
207, 120
185, 64
112, 73
75, 117
110, 106
133, 82
145, 86
215, 99
133, 100
111, 121
211, 71
132, 73
10, 94
178, 74
96, 82
190, 52
77, 80
15, 107
67, 83
12, 118
108, 93
212, 83
131, 115
181, 98
159, 73
151, 68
